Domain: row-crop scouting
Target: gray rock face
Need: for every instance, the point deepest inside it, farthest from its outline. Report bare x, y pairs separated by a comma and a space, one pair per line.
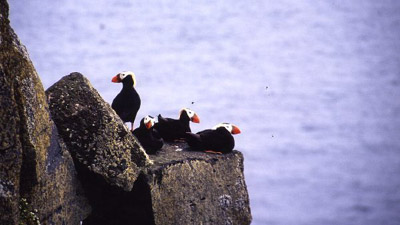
198, 188
93, 132
180, 188
11, 151
59, 196
34, 165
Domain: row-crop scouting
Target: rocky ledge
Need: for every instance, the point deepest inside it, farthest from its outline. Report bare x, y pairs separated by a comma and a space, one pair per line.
66, 158
189, 187
175, 186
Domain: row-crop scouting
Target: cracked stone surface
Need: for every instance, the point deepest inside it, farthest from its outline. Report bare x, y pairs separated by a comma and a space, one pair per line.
93, 132
34, 163
197, 188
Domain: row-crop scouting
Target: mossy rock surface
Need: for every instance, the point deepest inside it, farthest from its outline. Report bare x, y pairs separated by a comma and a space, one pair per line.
34, 165
181, 187
189, 187
93, 132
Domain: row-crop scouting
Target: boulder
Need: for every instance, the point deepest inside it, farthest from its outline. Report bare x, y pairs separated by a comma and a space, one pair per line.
36, 171
197, 188
100, 143
59, 197
181, 187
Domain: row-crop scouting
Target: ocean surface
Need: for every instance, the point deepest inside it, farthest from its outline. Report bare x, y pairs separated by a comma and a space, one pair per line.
313, 85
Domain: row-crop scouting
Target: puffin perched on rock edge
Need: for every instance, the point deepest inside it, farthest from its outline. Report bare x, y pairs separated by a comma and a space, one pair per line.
147, 136
219, 139
127, 103
175, 129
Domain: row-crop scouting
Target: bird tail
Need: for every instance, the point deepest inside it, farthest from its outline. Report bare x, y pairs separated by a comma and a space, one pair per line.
193, 140
161, 119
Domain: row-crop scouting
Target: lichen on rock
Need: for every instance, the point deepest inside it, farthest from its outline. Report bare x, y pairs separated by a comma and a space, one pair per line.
28, 216
198, 188
95, 135
27, 136
181, 187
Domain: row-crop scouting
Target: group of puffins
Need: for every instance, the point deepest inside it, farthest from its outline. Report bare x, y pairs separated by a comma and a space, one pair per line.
152, 135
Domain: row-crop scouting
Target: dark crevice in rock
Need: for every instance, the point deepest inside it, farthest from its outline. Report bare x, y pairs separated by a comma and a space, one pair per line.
53, 151
28, 176
56, 211
112, 205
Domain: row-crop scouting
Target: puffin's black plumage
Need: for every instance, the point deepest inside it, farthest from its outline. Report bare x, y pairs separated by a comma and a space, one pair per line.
219, 139
174, 129
127, 103
147, 136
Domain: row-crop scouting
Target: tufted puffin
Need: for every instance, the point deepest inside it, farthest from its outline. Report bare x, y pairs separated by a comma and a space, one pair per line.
219, 139
127, 103
147, 136
175, 129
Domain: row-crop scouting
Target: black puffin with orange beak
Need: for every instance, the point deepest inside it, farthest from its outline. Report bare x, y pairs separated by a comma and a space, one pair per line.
147, 136
219, 139
127, 103
175, 129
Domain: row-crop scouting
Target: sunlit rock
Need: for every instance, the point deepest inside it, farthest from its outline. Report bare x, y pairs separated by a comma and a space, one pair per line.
36, 170
198, 188
181, 187
97, 138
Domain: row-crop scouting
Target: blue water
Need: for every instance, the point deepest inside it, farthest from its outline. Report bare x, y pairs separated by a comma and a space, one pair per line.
313, 85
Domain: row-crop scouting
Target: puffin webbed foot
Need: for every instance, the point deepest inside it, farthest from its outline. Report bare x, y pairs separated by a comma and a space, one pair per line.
132, 127
213, 152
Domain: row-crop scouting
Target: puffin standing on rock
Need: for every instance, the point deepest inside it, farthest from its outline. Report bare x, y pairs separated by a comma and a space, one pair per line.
147, 136
175, 129
127, 103
219, 139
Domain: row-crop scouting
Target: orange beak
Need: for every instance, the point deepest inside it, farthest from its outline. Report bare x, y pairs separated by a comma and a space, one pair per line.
195, 119
116, 79
235, 130
148, 125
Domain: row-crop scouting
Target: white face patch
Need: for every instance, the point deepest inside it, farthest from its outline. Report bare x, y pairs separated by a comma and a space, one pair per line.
124, 74
189, 112
227, 126
148, 119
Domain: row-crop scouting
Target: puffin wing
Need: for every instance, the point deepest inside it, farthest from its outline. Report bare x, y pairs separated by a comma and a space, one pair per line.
161, 119
210, 138
155, 134
219, 140
166, 127
193, 140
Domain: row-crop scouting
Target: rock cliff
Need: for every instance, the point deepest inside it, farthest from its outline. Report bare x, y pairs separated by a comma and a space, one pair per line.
35, 166
95, 135
174, 187
189, 187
